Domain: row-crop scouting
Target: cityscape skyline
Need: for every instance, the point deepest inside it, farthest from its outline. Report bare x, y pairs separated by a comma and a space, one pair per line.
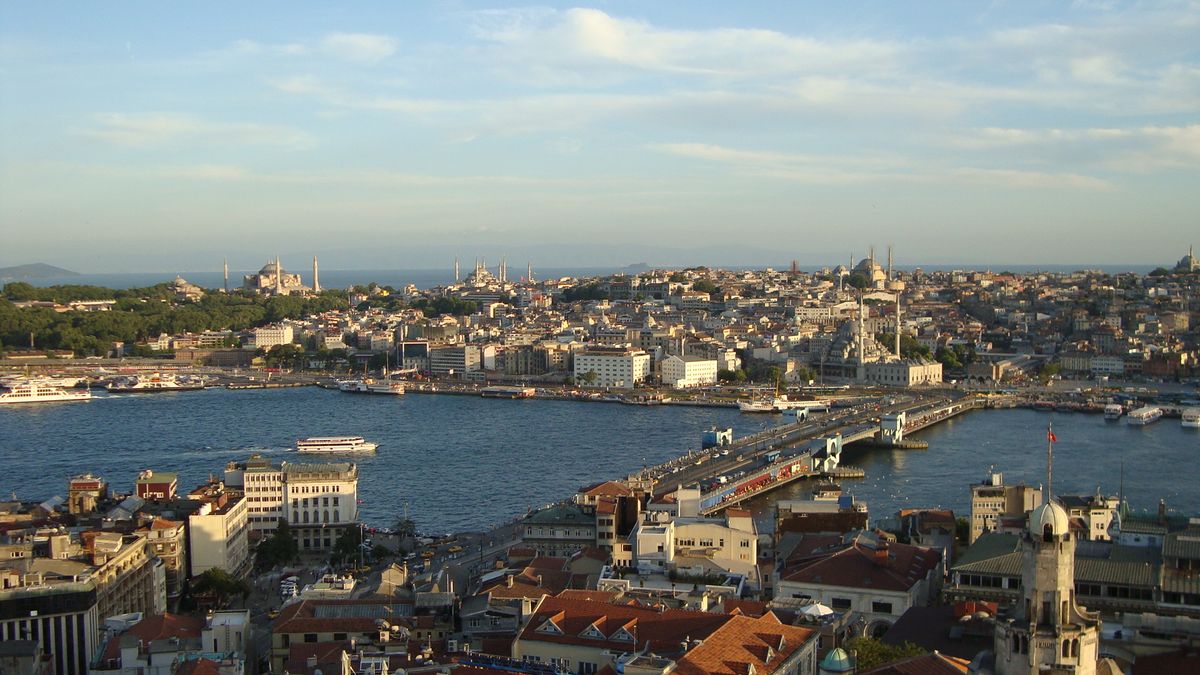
389, 133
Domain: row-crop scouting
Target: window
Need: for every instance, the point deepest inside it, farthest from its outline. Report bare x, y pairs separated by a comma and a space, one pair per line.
310, 637
840, 603
881, 607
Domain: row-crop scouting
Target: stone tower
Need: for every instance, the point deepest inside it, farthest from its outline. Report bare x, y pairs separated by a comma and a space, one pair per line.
1047, 632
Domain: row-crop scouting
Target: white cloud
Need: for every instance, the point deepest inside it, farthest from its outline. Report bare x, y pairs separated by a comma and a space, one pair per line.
149, 129
359, 47
1133, 149
850, 169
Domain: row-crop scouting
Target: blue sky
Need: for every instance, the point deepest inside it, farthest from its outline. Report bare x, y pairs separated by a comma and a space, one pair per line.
164, 136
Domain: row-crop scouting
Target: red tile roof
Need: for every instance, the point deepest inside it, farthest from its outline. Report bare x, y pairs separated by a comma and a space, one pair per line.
594, 596
763, 643
894, 567
607, 488
158, 627
751, 608
661, 631
301, 617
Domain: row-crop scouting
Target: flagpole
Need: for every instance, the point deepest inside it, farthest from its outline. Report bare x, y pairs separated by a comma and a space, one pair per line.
1049, 460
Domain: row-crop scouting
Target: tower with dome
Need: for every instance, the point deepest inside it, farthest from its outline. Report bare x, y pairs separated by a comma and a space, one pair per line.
272, 279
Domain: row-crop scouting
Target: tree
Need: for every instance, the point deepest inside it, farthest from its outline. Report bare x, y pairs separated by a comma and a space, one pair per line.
405, 528
870, 653
705, 286
589, 377
857, 280
220, 585
278, 549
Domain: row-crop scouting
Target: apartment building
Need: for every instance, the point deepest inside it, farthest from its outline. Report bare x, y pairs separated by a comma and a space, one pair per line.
219, 531
992, 500
615, 367
319, 500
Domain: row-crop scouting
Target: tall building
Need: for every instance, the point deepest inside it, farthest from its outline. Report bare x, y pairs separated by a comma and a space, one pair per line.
992, 500
218, 531
1048, 632
619, 367
319, 500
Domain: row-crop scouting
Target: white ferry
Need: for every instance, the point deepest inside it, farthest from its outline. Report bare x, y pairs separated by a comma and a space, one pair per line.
335, 444
1113, 411
1143, 416
775, 405
1191, 418
37, 391
369, 386
154, 382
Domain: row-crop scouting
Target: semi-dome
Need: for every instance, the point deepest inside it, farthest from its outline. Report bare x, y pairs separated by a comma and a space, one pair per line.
1052, 515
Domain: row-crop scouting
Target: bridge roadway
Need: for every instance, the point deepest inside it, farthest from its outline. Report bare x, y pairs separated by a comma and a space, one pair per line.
855, 424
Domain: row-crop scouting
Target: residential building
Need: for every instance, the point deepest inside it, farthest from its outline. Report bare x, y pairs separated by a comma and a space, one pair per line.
160, 643
218, 533
616, 367
688, 371
698, 546
560, 530
156, 485
992, 500
167, 540
376, 620
1091, 515
865, 573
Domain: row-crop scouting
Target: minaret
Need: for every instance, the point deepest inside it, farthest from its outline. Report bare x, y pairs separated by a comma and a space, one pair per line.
456, 277
889, 273
227, 275
871, 258
278, 277
316, 279
862, 367
529, 272
898, 324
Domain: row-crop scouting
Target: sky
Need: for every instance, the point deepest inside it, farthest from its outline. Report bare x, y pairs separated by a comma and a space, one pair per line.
150, 136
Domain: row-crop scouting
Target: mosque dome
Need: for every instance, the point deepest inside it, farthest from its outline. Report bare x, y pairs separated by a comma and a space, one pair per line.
1052, 515
269, 268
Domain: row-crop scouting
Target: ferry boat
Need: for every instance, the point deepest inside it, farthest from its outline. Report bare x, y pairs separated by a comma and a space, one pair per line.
1191, 418
154, 382
1143, 416
1113, 411
775, 405
369, 386
335, 445
38, 391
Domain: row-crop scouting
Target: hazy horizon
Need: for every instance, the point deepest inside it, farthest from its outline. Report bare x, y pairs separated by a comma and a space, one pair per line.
139, 136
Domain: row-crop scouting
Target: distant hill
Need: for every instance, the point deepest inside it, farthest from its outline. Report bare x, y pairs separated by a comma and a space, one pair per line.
636, 268
35, 271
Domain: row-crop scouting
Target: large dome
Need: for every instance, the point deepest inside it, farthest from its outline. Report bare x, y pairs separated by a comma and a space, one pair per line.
1049, 514
269, 268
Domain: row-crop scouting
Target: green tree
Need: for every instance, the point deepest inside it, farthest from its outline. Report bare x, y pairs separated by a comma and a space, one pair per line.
278, 549
857, 280
220, 585
870, 653
705, 286
589, 378
405, 528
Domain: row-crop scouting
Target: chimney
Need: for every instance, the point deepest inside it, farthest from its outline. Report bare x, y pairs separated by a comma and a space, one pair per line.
311, 662
881, 554
509, 581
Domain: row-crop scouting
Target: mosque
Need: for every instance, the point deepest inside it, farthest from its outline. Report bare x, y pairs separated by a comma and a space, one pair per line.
272, 279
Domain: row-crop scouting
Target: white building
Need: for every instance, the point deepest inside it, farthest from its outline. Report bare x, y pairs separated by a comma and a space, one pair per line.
688, 371
218, 533
265, 337
455, 360
695, 545
319, 500
905, 373
619, 367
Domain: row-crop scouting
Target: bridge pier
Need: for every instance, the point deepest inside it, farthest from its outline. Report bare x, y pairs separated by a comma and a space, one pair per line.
891, 429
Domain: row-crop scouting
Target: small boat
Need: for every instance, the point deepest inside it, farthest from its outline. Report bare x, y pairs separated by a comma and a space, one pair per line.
1191, 418
499, 391
335, 445
1143, 416
1113, 411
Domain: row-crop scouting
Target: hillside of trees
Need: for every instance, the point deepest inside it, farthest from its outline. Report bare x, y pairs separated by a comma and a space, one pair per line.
140, 313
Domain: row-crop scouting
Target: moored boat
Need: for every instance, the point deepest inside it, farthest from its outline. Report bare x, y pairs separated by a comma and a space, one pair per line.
1191, 418
1113, 411
370, 386
1143, 416
149, 383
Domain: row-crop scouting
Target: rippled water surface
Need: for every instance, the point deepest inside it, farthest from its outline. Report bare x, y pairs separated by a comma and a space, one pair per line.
461, 462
